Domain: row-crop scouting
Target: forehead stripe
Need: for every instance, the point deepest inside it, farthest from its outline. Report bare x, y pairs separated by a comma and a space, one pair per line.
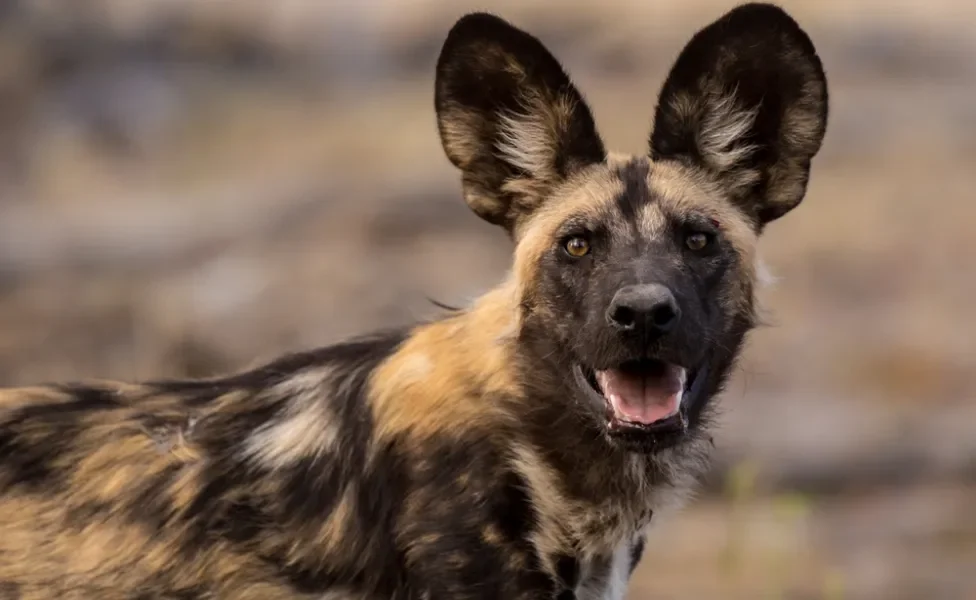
636, 194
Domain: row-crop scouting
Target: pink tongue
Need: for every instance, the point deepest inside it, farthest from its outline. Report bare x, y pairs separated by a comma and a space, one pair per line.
643, 399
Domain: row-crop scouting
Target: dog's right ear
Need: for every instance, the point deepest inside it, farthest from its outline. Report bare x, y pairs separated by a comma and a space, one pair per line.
509, 118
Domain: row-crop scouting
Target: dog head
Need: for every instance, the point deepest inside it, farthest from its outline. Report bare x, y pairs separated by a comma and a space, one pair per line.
635, 274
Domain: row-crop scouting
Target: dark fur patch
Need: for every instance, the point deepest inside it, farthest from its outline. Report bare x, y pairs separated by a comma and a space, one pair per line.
514, 512
478, 527
568, 571
636, 194
26, 464
637, 552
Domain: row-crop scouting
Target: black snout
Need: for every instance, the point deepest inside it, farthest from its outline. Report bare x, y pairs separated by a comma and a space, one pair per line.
649, 309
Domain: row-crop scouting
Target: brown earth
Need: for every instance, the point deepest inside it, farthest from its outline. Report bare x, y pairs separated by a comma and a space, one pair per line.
190, 187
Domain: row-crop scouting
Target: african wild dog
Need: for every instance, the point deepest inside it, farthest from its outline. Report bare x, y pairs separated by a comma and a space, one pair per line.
515, 449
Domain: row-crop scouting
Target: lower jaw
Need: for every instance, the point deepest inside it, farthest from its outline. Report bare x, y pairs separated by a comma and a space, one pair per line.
676, 423
645, 437
660, 435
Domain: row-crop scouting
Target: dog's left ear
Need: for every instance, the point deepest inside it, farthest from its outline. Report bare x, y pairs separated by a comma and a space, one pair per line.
747, 101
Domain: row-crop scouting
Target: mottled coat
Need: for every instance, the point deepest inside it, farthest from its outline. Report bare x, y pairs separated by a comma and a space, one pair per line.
485, 454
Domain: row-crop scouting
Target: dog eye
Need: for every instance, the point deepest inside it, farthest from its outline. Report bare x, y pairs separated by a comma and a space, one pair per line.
577, 247
697, 241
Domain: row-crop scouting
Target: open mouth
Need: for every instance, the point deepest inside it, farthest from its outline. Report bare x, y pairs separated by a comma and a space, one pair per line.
640, 396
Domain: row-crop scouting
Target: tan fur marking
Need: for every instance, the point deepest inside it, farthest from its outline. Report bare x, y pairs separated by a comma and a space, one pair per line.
339, 524
582, 197
468, 363
491, 535
305, 430
106, 471
185, 485
556, 528
651, 220
12, 399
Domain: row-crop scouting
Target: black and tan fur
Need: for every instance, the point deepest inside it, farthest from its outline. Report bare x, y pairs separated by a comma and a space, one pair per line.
456, 459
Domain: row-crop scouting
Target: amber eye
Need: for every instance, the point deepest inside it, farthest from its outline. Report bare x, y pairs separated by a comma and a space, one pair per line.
577, 247
697, 241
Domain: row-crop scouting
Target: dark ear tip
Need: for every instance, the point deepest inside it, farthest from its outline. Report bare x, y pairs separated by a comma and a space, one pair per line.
467, 33
760, 10
768, 8
773, 18
479, 20
476, 25
758, 15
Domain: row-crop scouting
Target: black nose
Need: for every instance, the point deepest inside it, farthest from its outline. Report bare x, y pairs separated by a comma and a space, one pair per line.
649, 307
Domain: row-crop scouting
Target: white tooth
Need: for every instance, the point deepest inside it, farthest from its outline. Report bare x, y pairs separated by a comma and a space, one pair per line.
679, 396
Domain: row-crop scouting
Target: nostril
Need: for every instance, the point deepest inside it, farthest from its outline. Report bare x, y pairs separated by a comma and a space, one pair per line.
664, 316
623, 316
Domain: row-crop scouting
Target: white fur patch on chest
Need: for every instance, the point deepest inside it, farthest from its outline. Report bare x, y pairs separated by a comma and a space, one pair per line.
608, 580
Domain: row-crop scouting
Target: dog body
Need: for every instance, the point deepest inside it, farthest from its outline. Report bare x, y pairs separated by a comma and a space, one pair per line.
518, 448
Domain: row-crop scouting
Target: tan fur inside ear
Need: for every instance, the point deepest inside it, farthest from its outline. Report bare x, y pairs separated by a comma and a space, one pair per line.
719, 136
457, 123
724, 126
529, 139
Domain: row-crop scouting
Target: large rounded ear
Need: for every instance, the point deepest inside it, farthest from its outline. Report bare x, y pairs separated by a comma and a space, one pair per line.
509, 118
746, 101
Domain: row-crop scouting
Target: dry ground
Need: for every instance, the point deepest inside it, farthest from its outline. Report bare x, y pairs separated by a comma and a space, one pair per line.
267, 180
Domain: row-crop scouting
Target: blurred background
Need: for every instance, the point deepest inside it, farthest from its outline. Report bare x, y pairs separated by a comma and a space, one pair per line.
192, 186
